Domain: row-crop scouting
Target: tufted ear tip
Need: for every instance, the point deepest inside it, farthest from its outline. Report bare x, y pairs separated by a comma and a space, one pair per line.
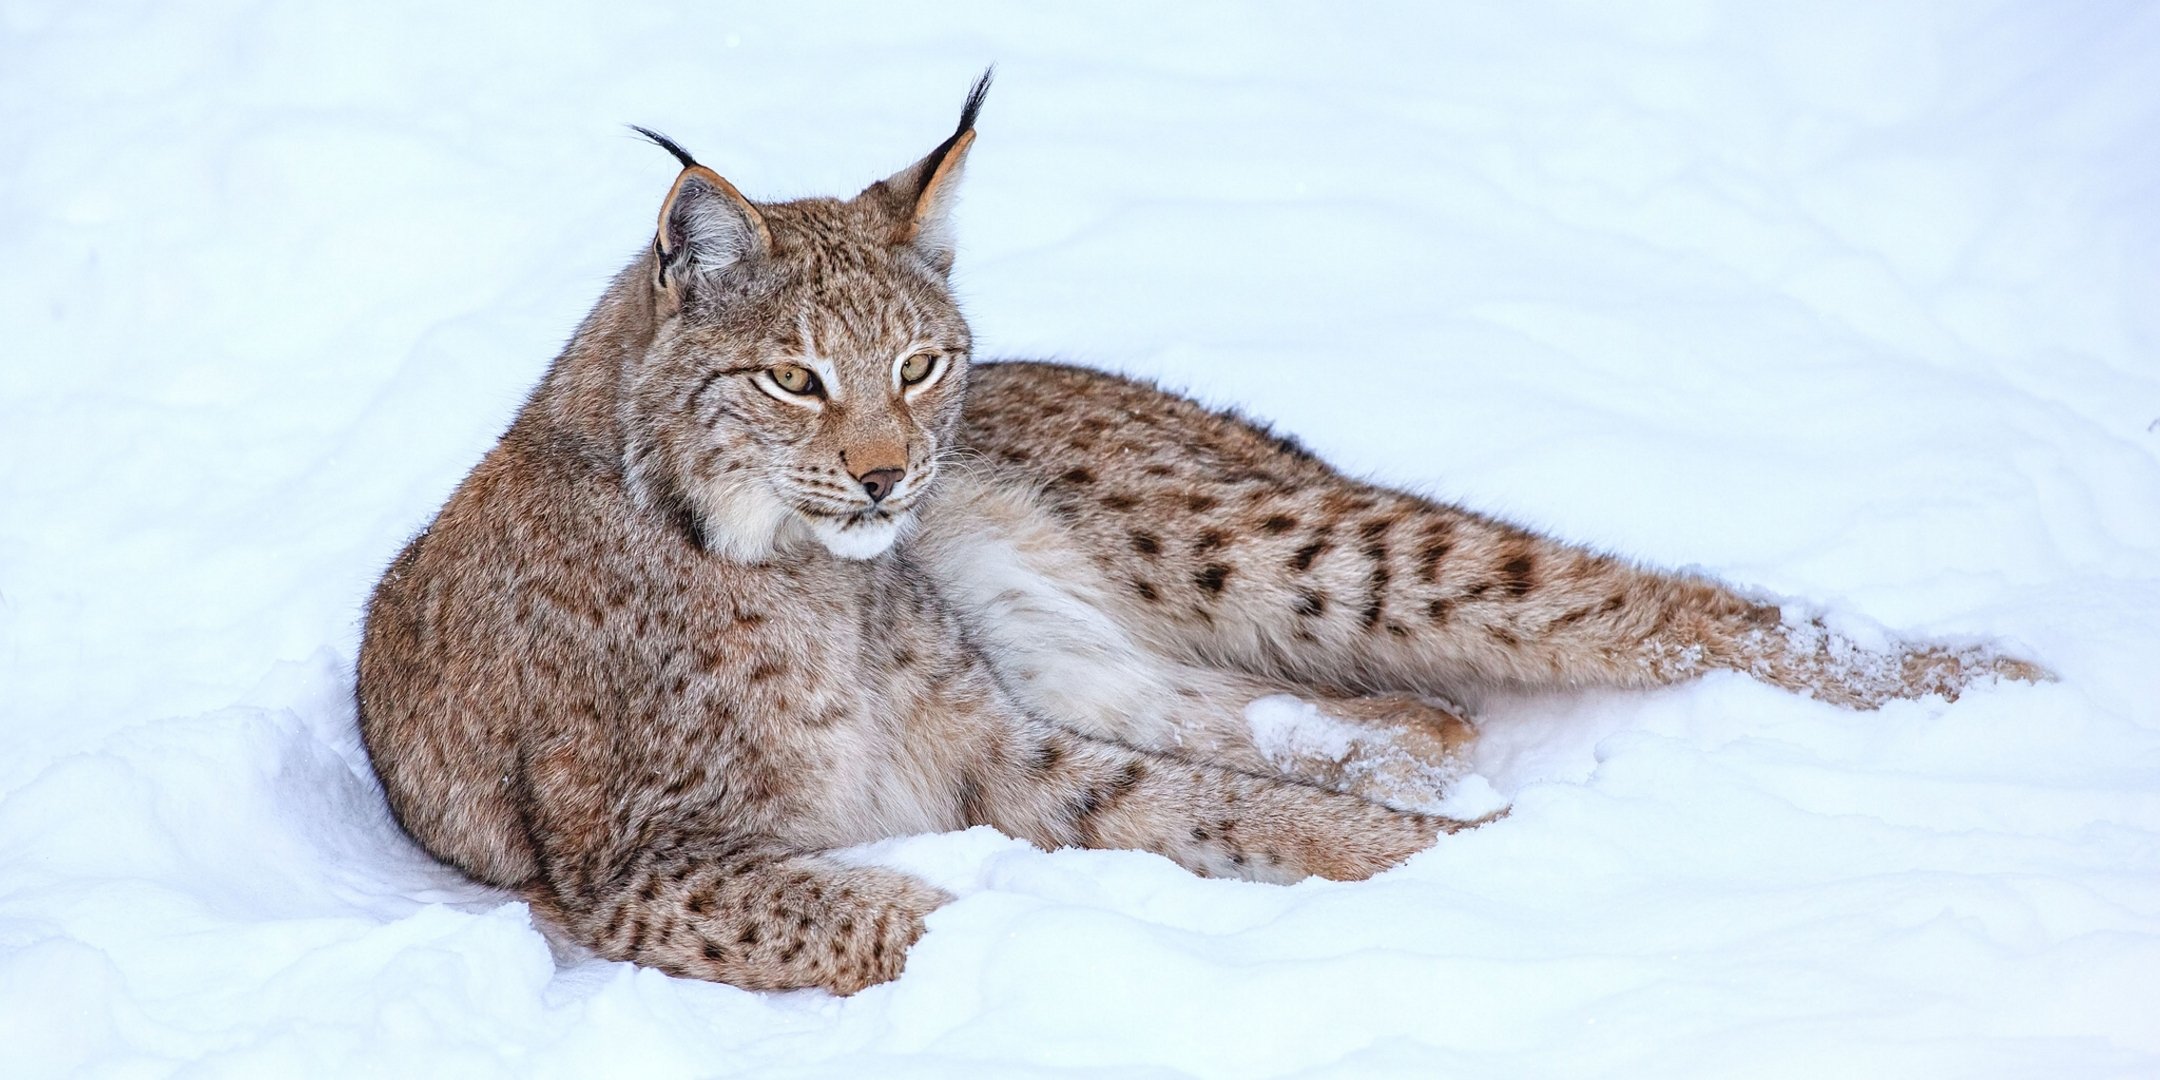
920, 197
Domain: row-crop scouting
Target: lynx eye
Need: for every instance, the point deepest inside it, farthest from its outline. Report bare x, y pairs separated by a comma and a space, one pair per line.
794, 378
916, 368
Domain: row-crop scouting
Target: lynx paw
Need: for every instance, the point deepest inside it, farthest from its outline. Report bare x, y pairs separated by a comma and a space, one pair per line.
1393, 749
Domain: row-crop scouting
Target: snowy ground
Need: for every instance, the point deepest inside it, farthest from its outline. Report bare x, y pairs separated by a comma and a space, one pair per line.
1852, 302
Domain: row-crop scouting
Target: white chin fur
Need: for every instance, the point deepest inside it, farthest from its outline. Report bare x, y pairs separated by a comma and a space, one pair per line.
856, 539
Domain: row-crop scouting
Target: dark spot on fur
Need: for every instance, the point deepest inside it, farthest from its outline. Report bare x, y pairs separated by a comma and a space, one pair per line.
1146, 544
1201, 504
1119, 502
1078, 476
1211, 578
1504, 636
1519, 575
1341, 503
1437, 610
1097, 799
713, 951
1311, 603
1159, 470
1047, 757
1431, 554
1147, 592
1375, 588
765, 670
1279, 524
968, 797
749, 935
1209, 541
1375, 528
1571, 618
1303, 559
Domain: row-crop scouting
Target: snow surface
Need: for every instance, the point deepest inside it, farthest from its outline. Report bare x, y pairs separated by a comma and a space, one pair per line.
1853, 302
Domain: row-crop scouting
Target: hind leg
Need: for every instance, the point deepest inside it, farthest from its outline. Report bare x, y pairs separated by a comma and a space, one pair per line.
1055, 788
1397, 749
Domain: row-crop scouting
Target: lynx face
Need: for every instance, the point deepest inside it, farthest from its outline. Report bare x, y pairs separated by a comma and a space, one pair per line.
807, 361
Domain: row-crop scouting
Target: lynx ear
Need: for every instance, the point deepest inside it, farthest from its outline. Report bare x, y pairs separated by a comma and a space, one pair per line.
919, 199
705, 224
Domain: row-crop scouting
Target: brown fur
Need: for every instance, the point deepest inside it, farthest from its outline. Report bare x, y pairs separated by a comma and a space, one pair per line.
660, 652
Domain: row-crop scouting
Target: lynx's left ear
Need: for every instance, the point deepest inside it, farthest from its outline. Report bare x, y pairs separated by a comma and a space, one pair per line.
705, 224
919, 199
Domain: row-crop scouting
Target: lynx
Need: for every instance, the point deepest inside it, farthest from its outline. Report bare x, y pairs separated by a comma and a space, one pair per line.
769, 566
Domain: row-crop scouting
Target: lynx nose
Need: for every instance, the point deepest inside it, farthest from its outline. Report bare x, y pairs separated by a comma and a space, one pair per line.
880, 482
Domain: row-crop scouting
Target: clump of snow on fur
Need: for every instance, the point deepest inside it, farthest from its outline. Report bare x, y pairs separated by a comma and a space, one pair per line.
1470, 798
1294, 734
1287, 729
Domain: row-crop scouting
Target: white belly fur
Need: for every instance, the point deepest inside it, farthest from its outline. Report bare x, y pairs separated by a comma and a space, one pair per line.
1037, 607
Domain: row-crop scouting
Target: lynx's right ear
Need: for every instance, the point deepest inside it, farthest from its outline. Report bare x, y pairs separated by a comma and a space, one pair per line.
918, 200
705, 224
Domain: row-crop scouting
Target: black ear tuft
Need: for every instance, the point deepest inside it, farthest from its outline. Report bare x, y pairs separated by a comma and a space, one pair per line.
688, 162
975, 98
980, 90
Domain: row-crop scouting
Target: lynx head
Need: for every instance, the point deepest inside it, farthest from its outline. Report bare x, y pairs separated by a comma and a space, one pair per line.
807, 359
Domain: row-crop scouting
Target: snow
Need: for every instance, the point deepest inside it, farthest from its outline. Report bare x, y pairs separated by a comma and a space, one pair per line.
1850, 302
1286, 729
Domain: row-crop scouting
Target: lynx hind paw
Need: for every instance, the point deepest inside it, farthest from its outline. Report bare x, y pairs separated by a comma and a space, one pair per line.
1394, 749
